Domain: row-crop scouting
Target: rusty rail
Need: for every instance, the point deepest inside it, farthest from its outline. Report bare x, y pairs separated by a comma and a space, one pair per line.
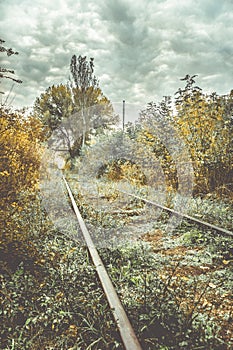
128, 336
189, 218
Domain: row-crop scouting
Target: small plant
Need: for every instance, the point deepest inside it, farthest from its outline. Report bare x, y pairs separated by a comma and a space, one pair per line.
194, 236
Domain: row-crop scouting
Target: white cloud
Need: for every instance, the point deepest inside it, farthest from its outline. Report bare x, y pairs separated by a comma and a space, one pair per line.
141, 48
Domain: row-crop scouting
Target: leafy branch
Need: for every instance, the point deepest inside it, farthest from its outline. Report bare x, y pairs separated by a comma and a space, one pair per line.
9, 52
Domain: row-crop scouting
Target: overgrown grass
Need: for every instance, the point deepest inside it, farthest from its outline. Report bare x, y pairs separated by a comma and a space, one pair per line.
175, 308
51, 297
166, 308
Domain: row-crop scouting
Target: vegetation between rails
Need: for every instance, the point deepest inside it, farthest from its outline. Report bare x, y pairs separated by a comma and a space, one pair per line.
188, 273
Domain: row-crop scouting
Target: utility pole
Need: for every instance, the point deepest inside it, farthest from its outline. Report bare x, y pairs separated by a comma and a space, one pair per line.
123, 115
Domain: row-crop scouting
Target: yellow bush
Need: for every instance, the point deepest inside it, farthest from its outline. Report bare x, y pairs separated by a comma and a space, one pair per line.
20, 140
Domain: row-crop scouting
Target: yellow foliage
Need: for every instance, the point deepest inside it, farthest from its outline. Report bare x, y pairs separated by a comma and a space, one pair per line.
19, 159
160, 153
200, 121
125, 170
204, 123
20, 140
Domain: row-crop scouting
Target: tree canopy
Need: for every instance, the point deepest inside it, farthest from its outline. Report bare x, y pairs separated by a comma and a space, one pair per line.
204, 122
80, 100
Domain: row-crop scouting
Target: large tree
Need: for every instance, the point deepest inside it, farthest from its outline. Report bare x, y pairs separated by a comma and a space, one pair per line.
74, 111
86, 94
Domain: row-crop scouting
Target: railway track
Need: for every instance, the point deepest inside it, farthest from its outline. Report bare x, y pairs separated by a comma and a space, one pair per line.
191, 219
126, 331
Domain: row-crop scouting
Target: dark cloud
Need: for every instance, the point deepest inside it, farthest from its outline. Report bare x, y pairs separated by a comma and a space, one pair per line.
141, 48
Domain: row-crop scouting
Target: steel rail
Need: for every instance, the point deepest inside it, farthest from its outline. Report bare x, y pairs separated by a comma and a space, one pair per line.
128, 336
189, 218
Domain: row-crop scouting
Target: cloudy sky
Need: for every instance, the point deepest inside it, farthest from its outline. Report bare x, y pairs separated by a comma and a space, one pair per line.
141, 48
